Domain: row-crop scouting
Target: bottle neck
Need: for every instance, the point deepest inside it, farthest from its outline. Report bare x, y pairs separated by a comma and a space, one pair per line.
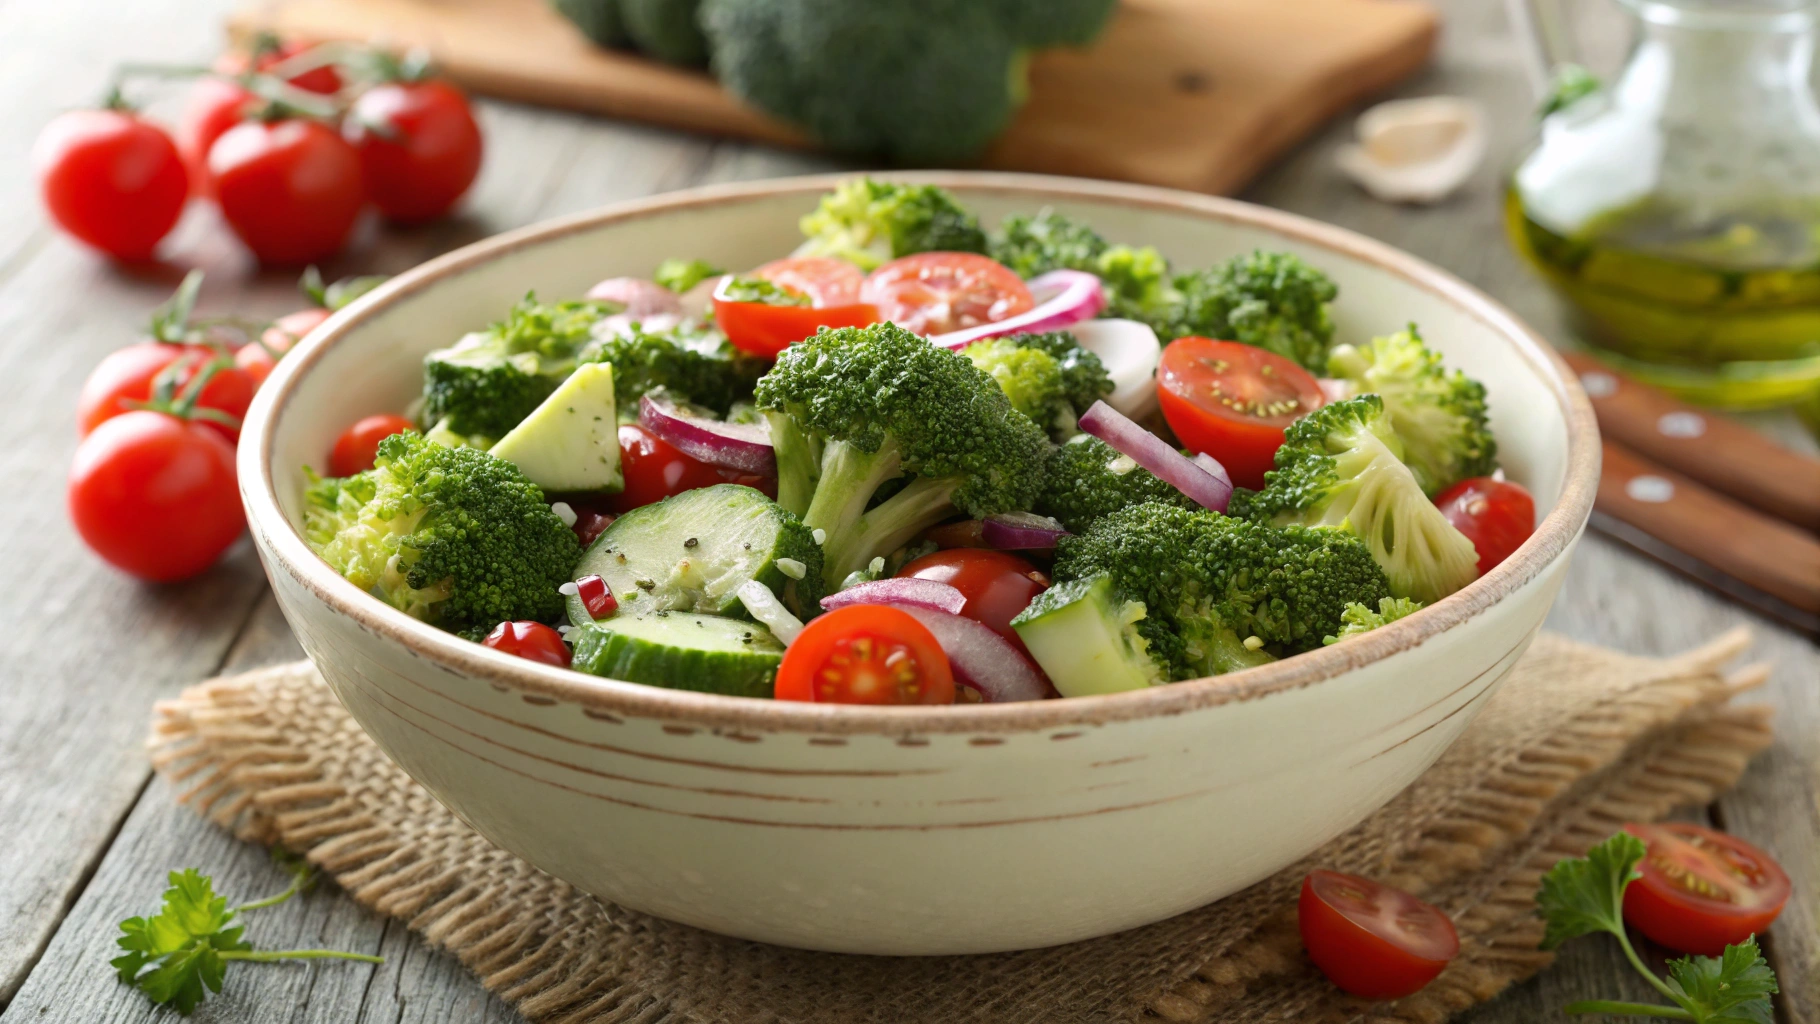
1693, 66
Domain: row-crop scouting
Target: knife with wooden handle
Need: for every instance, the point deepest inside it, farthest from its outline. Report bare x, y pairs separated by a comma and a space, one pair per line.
1765, 553
1722, 454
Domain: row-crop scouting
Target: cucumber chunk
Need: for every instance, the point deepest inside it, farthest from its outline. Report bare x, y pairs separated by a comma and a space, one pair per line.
681, 650
691, 551
1084, 639
570, 443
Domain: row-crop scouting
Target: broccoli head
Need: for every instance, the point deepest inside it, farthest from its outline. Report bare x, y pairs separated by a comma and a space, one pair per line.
868, 222
1136, 280
691, 364
453, 536
490, 380
853, 410
1272, 300
1359, 618
1088, 478
1340, 468
926, 84
1439, 416
1048, 377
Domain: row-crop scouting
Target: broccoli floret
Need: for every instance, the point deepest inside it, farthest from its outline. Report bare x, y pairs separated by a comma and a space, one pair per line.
870, 222
1340, 468
666, 29
1219, 593
490, 380
453, 536
1359, 618
680, 275
928, 84
691, 364
1136, 280
1439, 416
852, 410
1272, 300
1088, 478
1048, 377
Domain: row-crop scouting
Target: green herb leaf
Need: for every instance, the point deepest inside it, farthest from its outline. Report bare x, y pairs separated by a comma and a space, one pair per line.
1733, 988
754, 289
1572, 84
182, 944
1582, 895
680, 275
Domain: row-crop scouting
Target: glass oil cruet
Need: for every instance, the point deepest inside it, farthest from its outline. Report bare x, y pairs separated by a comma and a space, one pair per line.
1678, 210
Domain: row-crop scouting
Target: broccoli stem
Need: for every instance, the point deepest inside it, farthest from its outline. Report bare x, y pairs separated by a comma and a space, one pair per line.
798, 463
849, 476
921, 504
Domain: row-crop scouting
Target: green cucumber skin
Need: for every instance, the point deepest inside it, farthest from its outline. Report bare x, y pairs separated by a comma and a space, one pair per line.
602, 652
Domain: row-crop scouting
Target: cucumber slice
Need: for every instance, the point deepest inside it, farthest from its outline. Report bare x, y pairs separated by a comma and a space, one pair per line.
570, 443
691, 551
1084, 639
681, 650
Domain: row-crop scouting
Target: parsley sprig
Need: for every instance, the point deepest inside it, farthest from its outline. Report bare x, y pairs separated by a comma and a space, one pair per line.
1583, 895
185, 948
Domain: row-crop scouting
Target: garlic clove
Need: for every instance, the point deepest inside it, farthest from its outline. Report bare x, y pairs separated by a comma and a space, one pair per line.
1416, 151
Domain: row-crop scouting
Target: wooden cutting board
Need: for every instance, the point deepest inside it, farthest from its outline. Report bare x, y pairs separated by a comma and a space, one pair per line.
1195, 94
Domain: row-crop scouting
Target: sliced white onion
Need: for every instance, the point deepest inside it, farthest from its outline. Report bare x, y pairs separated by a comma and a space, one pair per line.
1063, 298
641, 298
624, 323
1130, 351
742, 446
698, 301
769, 611
930, 594
1021, 531
982, 660
1149, 451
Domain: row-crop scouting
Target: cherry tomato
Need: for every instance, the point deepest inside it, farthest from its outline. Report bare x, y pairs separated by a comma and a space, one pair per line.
357, 446
1371, 940
938, 292
1496, 515
1232, 401
155, 495
126, 376
111, 179
1702, 890
765, 330
325, 79
654, 470
290, 189
419, 147
532, 641
826, 281
259, 360
996, 584
866, 654
215, 105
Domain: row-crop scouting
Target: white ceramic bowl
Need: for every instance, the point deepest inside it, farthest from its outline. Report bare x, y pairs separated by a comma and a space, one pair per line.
929, 830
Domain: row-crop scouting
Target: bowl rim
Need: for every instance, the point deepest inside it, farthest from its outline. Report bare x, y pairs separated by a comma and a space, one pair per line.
283, 549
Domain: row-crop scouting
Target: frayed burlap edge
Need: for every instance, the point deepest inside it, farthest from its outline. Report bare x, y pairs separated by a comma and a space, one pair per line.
222, 742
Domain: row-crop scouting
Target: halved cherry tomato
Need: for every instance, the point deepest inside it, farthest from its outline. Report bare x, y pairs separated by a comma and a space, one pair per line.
1233, 401
654, 469
532, 641
259, 359
826, 281
938, 292
290, 189
155, 495
996, 584
1496, 515
1702, 890
765, 330
866, 654
419, 147
1371, 940
111, 179
126, 376
357, 446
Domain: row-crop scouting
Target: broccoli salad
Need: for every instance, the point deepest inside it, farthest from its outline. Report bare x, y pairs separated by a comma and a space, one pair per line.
917, 461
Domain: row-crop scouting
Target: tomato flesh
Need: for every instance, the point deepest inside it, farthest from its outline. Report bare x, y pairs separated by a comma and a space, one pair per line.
825, 280
1496, 515
1702, 890
866, 654
1233, 401
765, 330
996, 584
290, 189
358, 446
654, 470
1371, 940
155, 496
111, 179
532, 641
428, 153
940, 292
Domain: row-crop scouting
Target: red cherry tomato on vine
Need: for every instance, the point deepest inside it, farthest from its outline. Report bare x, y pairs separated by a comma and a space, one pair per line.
865, 654
1702, 890
765, 330
938, 292
419, 147
1496, 515
325, 79
357, 446
997, 585
654, 470
215, 105
532, 641
290, 189
1371, 940
111, 179
1233, 401
258, 360
155, 495
126, 376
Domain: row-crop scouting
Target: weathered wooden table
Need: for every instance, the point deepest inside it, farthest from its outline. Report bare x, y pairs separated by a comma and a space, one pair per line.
86, 836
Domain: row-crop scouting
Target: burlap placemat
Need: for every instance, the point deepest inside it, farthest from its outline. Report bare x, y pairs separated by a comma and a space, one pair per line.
1578, 740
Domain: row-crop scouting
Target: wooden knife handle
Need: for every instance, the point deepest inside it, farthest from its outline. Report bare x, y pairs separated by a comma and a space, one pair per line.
1740, 542
1724, 455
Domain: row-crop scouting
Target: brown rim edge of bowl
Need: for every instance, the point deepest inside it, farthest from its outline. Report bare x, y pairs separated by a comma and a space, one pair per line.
1551, 539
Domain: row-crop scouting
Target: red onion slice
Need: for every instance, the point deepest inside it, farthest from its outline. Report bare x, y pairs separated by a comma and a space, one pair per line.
1213, 466
742, 446
641, 298
982, 660
1149, 451
907, 592
1021, 531
1062, 297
